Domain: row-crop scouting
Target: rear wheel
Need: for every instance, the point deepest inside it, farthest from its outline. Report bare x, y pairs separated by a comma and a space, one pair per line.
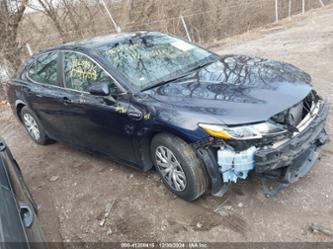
180, 169
33, 126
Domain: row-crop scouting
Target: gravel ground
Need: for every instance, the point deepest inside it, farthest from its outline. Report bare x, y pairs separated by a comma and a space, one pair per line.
85, 197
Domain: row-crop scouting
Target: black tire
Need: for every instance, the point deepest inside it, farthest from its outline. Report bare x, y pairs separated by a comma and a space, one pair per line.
193, 168
42, 139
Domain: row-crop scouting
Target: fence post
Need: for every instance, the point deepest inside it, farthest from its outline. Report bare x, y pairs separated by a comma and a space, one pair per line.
322, 3
289, 8
29, 49
276, 10
186, 30
303, 7
117, 28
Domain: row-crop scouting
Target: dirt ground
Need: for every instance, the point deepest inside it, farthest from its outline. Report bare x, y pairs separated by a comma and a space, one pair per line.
85, 197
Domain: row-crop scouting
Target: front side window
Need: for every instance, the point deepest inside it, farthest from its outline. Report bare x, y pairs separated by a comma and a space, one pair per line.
145, 60
80, 73
44, 69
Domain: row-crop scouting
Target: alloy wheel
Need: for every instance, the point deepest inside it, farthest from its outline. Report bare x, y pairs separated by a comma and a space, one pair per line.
170, 168
31, 125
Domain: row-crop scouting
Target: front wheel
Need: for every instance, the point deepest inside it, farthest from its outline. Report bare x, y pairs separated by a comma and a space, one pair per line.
180, 169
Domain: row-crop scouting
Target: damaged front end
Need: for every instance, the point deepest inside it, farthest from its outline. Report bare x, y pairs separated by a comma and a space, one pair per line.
280, 151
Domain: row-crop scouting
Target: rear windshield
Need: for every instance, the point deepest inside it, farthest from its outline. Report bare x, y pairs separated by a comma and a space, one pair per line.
145, 60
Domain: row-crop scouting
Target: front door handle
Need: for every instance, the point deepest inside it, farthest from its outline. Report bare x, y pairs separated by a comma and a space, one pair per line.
135, 115
66, 100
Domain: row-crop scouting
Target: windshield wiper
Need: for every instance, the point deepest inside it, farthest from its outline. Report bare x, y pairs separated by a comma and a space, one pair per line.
178, 77
163, 82
201, 66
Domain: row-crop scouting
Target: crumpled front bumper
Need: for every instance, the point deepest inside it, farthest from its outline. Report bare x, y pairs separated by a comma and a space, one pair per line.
287, 163
292, 151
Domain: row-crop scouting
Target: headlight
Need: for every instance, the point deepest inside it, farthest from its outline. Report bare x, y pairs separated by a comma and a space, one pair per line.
243, 132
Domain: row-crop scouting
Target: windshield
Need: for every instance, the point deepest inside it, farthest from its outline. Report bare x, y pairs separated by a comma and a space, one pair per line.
145, 60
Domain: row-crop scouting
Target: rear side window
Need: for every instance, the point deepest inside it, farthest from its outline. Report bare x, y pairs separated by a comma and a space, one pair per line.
80, 73
44, 69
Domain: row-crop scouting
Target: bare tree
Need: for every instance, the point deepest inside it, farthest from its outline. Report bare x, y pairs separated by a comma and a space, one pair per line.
72, 19
11, 13
81, 16
50, 9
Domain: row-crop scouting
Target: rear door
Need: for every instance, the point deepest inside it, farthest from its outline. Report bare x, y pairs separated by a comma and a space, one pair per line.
45, 94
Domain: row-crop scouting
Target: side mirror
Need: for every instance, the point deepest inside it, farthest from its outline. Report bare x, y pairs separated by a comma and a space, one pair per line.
27, 215
101, 89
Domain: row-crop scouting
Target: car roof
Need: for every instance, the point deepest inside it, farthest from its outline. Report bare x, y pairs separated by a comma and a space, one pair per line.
88, 44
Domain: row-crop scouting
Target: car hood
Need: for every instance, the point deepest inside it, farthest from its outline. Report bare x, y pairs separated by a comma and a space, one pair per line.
237, 89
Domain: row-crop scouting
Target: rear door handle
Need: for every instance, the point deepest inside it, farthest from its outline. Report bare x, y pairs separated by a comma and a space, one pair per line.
67, 101
29, 93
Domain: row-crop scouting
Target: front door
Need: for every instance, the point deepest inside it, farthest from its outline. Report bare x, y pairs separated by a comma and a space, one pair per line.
97, 123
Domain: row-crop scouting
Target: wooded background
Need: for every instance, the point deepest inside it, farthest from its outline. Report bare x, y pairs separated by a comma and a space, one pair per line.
44, 23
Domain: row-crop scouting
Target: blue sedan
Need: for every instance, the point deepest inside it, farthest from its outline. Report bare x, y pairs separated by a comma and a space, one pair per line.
151, 100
